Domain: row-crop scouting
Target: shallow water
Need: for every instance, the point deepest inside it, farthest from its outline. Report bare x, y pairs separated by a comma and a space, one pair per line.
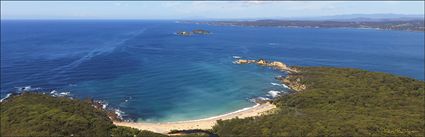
153, 75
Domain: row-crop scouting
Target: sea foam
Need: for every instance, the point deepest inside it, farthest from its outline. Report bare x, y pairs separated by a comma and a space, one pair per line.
273, 93
7, 96
237, 57
282, 85
285, 86
276, 84
55, 93
27, 88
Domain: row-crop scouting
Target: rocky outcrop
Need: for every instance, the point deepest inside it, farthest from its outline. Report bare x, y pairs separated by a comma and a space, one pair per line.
293, 83
200, 31
274, 64
193, 32
244, 61
184, 33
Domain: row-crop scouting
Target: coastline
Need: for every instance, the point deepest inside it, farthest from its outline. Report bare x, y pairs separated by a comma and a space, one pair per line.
205, 123
208, 123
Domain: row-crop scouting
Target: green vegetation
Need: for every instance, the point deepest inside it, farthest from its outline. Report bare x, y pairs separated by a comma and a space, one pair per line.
32, 114
340, 102
130, 132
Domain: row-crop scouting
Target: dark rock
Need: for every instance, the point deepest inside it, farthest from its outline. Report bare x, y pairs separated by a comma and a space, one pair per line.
184, 33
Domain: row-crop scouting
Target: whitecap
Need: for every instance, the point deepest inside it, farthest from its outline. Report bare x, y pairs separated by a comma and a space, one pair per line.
237, 57
275, 84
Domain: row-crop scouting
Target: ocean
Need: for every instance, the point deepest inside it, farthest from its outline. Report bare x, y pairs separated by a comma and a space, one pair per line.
142, 68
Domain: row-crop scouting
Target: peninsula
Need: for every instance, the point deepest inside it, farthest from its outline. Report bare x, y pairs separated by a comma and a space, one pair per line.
403, 25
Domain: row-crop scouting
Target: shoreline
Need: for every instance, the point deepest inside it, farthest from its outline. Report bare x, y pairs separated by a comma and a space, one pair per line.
204, 123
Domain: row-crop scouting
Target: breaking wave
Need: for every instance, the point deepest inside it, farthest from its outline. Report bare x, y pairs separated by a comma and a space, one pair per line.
273, 93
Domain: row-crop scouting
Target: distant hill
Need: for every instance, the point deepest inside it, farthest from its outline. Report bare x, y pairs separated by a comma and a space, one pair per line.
342, 17
367, 17
361, 23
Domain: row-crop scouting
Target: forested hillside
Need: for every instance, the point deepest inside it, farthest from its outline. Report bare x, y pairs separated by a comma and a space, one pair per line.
340, 102
33, 114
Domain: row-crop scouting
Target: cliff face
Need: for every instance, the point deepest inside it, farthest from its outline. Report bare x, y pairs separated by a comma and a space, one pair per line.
294, 84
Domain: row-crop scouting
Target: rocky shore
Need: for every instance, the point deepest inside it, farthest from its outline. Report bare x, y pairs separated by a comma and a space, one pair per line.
273, 64
294, 84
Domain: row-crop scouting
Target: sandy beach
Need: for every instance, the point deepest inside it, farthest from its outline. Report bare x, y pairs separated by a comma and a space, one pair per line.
206, 123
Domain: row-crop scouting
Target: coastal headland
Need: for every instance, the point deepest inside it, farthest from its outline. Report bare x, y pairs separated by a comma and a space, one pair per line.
293, 84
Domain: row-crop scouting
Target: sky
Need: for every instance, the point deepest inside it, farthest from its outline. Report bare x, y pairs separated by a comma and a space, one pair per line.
199, 9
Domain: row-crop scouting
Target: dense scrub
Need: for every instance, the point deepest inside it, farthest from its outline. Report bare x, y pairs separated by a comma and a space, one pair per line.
120, 131
33, 114
340, 102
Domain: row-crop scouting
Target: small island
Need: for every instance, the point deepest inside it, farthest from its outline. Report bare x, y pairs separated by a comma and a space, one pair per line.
200, 31
193, 32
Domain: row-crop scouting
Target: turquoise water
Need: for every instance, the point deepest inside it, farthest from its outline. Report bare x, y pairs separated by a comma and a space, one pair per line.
145, 70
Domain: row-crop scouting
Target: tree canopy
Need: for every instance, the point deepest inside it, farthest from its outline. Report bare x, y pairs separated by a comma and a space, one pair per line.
340, 102
33, 114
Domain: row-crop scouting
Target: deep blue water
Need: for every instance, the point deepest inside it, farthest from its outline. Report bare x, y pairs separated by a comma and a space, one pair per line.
153, 75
